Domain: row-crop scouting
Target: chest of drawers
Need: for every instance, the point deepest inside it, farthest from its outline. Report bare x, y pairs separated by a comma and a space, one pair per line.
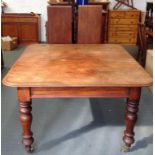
123, 26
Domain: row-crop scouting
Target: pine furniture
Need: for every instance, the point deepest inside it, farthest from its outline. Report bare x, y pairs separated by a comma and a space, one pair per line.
123, 26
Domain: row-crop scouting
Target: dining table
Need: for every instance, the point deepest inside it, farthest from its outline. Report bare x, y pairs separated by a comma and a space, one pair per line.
77, 71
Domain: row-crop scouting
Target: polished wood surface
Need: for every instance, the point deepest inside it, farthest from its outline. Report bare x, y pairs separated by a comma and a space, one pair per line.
59, 24
89, 24
25, 117
26, 27
81, 92
131, 117
77, 70
76, 65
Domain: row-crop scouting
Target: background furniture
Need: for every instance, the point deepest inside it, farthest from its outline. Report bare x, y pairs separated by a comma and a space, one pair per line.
149, 15
149, 22
142, 41
55, 29
59, 24
123, 26
26, 27
89, 29
105, 9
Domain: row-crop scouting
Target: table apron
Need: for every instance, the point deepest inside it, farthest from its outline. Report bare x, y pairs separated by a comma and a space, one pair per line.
82, 92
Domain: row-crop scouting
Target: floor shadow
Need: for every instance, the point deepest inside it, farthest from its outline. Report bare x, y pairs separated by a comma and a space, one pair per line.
143, 143
111, 111
108, 111
71, 135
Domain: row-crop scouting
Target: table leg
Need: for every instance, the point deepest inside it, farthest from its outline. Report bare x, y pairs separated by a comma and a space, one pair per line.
26, 117
131, 117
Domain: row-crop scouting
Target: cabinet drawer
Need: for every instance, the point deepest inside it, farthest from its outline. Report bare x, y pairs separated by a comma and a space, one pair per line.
132, 14
116, 14
123, 27
124, 14
123, 40
122, 34
123, 21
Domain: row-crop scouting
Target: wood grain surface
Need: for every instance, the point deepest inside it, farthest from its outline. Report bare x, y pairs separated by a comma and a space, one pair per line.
76, 65
89, 24
81, 92
59, 24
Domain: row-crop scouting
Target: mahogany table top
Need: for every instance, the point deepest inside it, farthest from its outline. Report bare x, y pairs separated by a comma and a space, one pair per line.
76, 65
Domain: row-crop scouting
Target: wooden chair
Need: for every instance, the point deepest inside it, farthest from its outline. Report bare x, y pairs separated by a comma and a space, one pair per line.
89, 29
142, 41
59, 25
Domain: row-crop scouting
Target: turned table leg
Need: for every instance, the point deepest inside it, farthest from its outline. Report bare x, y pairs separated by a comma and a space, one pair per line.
26, 117
131, 118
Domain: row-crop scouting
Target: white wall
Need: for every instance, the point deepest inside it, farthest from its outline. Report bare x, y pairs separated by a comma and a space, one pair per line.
40, 6
27, 6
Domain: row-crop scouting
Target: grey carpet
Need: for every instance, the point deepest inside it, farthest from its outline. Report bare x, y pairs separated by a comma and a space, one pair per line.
74, 126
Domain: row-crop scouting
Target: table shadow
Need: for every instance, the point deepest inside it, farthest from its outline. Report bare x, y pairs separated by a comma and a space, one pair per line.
71, 135
103, 113
143, 143
111, 111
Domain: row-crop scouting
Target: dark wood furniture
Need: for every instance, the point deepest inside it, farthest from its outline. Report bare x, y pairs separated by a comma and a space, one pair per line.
149, 15
105, 9
149, 22
142, 36
77, 70
58, 31
59, 24
89, 29
26, 27
123, 26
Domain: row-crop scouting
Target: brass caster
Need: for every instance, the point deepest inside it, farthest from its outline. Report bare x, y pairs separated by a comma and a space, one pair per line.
125, 148
30, 149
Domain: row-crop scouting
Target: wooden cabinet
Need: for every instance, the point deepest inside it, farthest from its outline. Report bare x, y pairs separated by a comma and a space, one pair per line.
26, 27
123, 26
